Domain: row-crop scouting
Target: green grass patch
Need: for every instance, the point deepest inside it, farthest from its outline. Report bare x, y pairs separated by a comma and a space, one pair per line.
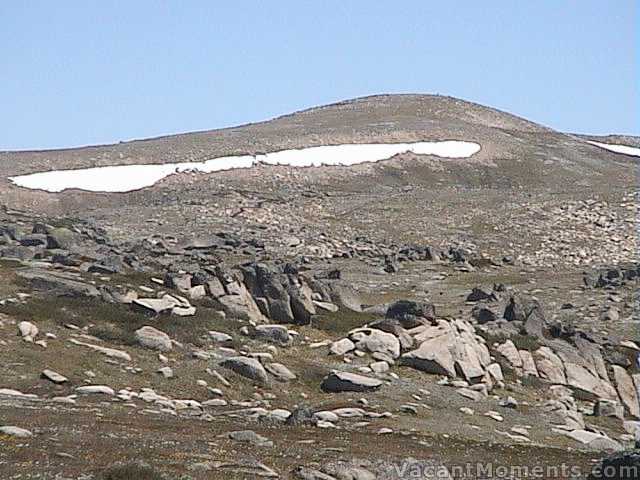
341, 322
522, 342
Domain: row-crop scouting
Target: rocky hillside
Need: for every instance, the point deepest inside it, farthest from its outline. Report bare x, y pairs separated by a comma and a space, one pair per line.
414, 315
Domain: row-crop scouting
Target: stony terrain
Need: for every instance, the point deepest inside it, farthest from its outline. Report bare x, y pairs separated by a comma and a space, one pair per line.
416, 314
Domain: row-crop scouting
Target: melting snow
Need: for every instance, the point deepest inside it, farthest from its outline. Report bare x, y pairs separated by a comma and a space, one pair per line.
125, 178
627, 150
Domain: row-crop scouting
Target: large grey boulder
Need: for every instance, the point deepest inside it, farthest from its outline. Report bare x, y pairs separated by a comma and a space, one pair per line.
168, 304
178, 281
58, 283
375, 341
411, 314
341, 347
450, 347
61, 238
550, 366
247, 367
509, 351
395, 328
154, 339
586, 384
280, 372
349, 382
28, 331
283, 294
626, 390
277, 334
528, 311
232, 296
241, 306
302, 306
432, 356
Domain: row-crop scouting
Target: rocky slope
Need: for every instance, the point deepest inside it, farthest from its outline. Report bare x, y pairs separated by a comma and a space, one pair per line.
417, 314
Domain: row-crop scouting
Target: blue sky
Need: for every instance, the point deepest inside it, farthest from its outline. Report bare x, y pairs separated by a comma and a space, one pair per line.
88, 72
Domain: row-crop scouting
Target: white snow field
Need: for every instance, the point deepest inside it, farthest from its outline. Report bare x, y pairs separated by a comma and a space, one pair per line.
125, 178
612, 147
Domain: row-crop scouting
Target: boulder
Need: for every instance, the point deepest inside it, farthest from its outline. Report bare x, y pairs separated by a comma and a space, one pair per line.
432, 356
375, 341
269, 282
586, 384
550, 366
528, 364
341, 347
304, 473
178, 281
54, 376
150, 337
58, 283
95, 390
481, 295
156, 306
483, 314
183, 311
349, 382
28, 331
247, 367
61, 238
241, 306
274, 334
509, 351
280, 372
608, 408
527, 311
394, 327
302, 305
627, 391
411, 314
495, 371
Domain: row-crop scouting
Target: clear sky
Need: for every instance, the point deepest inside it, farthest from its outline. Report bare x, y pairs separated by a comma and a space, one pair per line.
99, 71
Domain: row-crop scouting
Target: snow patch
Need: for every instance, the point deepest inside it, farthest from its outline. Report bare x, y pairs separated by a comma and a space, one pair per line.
612, 147
125, 178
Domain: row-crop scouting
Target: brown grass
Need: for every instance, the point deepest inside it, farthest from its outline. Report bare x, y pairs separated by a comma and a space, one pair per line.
132, 471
